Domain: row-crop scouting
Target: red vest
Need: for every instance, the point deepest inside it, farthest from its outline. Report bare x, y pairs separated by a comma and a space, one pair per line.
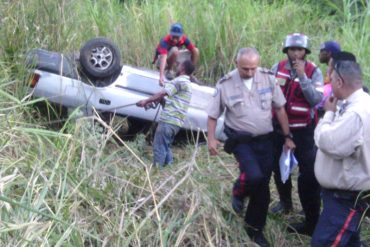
297, 107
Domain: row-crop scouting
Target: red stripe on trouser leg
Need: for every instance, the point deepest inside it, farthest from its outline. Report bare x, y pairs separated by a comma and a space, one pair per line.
240, 190
344, 228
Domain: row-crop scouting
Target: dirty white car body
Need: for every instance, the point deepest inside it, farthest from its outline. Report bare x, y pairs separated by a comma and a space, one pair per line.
129, 85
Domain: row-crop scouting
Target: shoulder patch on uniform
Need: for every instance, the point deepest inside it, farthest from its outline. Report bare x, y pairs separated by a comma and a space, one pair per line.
224, 78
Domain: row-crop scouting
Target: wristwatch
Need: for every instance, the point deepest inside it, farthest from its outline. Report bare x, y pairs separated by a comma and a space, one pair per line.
290, 136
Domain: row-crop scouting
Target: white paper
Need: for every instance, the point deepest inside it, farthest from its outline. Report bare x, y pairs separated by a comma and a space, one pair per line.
287, 163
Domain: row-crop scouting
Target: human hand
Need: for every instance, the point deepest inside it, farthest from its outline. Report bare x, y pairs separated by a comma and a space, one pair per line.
161, 80
331, 104
289, 144
212, 146
141, 103
299, 65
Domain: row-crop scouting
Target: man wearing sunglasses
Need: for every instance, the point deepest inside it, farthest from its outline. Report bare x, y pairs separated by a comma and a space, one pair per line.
342, 165
169, 52
299, 80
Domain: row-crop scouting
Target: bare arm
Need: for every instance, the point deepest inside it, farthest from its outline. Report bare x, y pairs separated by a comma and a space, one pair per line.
154, 98
212, 141
162, 67
195, 55
283, 121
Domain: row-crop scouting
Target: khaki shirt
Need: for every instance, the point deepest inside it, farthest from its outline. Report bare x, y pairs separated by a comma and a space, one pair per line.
343, 141
247, 110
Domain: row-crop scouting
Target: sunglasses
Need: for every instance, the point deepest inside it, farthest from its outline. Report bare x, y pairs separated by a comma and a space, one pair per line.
336, 67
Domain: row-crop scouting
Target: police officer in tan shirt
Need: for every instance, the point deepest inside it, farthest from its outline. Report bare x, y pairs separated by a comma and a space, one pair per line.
247, 95
342, 165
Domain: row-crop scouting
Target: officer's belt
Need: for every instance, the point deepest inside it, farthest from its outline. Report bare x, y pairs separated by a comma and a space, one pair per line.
359, 199
237, 137
351, 194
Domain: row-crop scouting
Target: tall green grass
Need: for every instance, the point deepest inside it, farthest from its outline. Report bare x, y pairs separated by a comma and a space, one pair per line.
75, 186
219, 28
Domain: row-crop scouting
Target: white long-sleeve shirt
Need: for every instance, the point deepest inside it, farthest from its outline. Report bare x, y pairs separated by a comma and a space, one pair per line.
343, 141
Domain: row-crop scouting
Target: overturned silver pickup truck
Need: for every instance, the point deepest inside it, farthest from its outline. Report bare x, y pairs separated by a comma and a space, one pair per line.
95, 79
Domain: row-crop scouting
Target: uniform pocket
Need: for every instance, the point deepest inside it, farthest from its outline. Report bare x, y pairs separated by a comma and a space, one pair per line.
266, 101
238, 107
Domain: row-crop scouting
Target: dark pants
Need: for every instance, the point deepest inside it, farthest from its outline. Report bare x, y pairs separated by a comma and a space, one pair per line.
339, 221
255, 165
308, 187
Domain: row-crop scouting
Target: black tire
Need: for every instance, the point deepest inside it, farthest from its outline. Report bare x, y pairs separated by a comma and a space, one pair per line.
100, 58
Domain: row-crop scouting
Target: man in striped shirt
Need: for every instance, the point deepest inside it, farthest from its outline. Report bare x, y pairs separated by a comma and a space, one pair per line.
178, 92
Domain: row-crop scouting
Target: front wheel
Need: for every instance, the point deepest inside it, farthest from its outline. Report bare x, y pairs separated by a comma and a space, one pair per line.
100, 58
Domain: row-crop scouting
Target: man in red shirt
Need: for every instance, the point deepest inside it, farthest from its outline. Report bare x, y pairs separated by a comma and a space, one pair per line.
168, 50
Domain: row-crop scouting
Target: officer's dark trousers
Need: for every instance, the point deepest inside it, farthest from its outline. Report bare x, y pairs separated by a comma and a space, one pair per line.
339, 222
308, 187
255, 164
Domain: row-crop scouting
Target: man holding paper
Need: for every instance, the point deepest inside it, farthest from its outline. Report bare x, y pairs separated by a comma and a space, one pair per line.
247, 95
300, 81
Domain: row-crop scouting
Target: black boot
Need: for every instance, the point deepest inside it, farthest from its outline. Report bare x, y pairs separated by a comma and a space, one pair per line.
303, 228
282, 208
258, 237
238, 205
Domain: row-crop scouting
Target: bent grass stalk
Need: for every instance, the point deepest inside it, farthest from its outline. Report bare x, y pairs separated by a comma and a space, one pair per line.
75, 187
147, 174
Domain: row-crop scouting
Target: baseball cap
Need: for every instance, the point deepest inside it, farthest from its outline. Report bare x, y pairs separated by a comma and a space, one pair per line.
176, 30
331, 46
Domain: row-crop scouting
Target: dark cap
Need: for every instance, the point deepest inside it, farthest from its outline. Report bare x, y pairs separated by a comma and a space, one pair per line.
176, 30
331, 46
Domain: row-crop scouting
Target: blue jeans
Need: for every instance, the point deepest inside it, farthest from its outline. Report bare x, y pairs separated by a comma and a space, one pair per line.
163, 138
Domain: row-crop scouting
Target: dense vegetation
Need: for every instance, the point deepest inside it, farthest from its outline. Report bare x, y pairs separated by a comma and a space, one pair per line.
75, 186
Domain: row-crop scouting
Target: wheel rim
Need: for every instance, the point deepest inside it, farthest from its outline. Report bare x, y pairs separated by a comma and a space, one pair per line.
101, 58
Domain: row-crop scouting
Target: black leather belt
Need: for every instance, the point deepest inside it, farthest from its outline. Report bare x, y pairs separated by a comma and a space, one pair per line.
351, 195
262, 137
244, 135
237, 137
